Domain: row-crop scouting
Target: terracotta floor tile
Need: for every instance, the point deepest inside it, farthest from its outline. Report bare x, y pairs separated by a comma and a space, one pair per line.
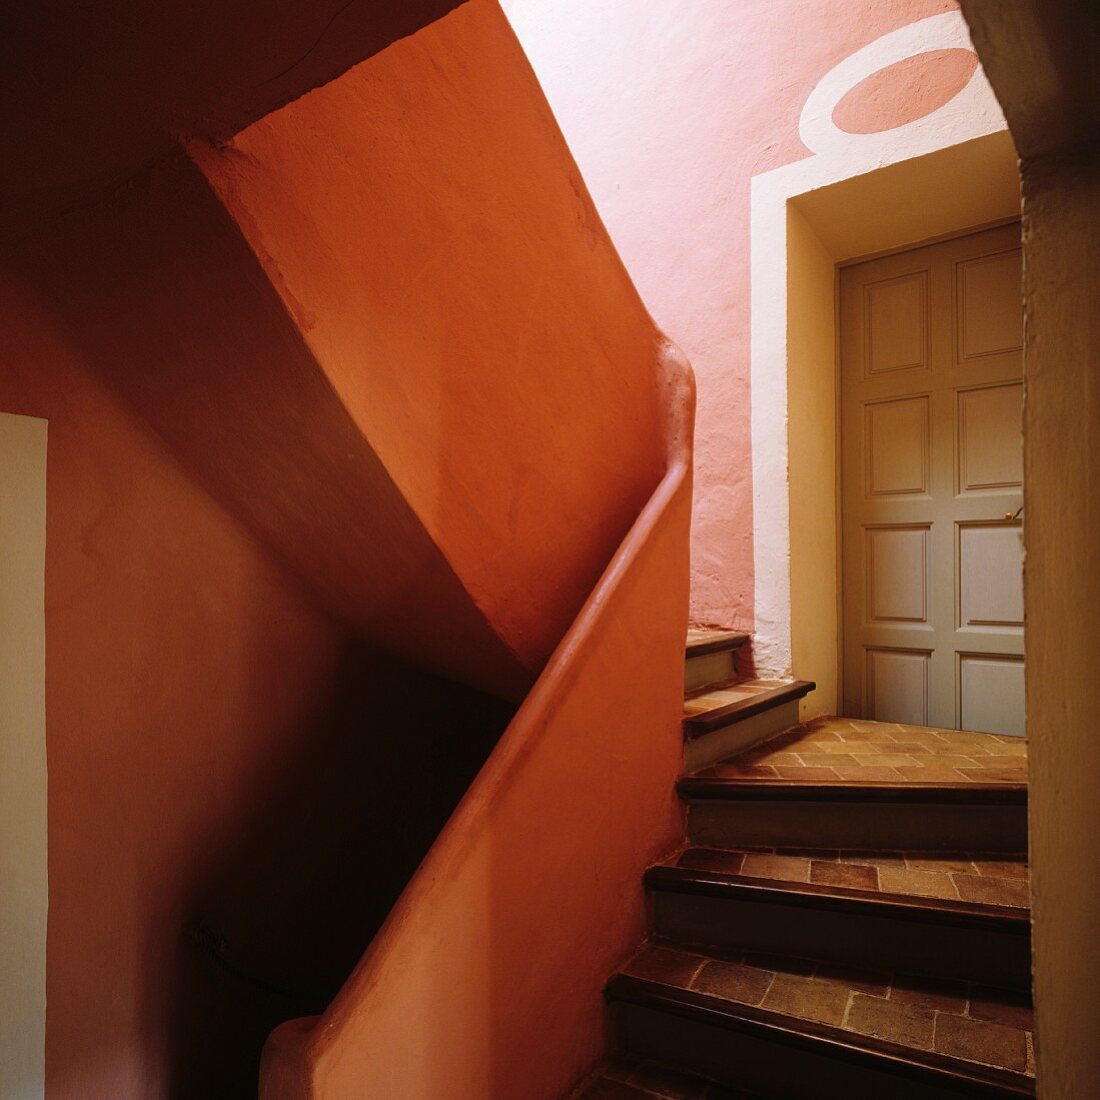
887, 760
1015, 746
925, 884
994, 775
869, 775
873, 858
934, 774
744, 984
807, 998
820, 737
1002, 1006
944, 863
781, 964
992, 761
832, 748
747, 771
1002, 868
787, 868
826, 759
662, 964
891, 1020
939, 994
978, 1041
809, 775
781, 756
711, 859
844, 874
862, 980
993, 891
944, 760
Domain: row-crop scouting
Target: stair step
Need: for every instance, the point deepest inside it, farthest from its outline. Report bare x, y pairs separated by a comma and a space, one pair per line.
836, 782
735, 702
839, 924
776, 1023
634, 1080
703, 642
902, 817
730, 718
710, 658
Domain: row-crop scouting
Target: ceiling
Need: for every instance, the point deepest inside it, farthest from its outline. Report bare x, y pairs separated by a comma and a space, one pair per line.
94, 92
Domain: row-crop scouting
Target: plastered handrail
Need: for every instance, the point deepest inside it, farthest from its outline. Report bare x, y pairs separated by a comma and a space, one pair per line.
298, 1046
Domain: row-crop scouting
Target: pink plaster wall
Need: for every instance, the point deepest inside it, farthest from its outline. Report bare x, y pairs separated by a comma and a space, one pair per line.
670, 108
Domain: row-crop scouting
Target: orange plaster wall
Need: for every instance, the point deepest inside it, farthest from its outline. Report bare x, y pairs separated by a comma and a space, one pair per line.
670, 109
433, 240
167, 634
487, 979
220, 754
167, 303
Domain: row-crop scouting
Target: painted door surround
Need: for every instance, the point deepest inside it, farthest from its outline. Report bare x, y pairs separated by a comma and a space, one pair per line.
23, 894
931, 484
857, 195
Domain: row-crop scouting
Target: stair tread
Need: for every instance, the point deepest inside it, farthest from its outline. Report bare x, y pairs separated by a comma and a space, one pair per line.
719, 706
845, 751
943, 1025
644, 1080
701, 642
992, 880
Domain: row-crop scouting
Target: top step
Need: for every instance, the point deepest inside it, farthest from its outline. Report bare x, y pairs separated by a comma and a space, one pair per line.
702, 642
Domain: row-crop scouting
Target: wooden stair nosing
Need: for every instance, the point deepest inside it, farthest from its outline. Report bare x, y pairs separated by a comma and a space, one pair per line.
717, 641
698, 724
822, 1039
959, 914
792, 790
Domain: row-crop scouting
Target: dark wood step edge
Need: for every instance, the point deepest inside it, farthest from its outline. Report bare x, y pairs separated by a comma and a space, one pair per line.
698, 724
697, 788
823, 1040
718, 641
840, 899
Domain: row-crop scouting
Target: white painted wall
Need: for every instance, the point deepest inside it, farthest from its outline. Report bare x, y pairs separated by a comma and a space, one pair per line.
23, 894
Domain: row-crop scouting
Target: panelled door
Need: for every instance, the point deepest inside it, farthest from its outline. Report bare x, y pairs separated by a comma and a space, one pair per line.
931, 485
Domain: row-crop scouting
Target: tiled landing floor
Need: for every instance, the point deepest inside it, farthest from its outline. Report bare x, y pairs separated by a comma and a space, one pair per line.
850, 750
956, 876
960, 1019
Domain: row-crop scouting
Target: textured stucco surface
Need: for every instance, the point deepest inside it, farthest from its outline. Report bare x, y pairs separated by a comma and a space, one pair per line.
670, 109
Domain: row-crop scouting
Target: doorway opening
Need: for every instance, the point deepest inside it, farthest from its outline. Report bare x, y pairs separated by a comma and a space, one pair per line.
931, 484
806, 223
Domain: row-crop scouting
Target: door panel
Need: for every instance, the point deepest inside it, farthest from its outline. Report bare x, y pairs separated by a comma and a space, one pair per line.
931, 484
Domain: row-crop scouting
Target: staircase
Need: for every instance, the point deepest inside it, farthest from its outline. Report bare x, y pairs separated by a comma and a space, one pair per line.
849, 915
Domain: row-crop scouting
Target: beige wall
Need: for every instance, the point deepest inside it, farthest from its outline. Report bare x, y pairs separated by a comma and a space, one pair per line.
22, 756
812, 436
1061, 601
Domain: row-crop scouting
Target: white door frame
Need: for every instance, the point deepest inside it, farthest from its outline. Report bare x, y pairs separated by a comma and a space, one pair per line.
856, 196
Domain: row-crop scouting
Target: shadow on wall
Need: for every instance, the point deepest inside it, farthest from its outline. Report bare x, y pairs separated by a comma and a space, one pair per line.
277, 917
168, 304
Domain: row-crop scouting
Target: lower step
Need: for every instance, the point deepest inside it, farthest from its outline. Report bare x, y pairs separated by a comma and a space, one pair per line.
775, 1025
633, 1080
903, 816
923, 935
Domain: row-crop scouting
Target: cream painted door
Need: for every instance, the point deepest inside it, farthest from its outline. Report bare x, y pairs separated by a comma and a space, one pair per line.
931, 485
